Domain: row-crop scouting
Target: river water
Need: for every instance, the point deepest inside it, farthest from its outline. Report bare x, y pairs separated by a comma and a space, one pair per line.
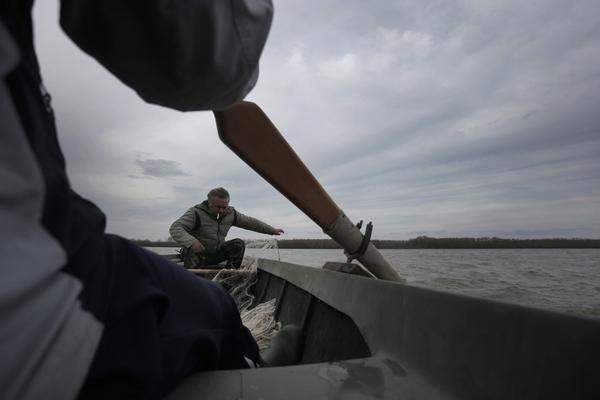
566, 280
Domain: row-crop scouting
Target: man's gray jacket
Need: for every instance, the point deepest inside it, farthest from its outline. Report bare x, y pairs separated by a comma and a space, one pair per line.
199, 223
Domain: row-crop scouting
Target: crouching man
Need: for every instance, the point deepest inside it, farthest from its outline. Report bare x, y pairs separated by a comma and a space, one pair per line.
202, 230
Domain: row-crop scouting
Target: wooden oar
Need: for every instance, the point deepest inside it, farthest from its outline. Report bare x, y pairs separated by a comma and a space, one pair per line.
246, 130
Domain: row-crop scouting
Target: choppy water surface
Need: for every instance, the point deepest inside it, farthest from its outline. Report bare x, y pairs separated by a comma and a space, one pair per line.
566, 280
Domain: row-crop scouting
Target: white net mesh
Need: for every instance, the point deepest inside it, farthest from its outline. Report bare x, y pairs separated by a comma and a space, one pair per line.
261, 322
260, 319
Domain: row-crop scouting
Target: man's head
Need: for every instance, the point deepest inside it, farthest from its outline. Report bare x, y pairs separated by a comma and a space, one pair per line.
218, 200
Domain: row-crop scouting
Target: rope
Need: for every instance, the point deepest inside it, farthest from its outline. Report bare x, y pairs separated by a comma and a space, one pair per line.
238, 282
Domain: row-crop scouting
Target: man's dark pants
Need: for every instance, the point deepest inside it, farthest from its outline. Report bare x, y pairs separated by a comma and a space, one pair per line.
162, 323
231, 251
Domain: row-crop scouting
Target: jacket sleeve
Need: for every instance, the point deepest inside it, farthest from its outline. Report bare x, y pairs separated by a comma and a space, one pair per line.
180, 229
252, 224
182, 54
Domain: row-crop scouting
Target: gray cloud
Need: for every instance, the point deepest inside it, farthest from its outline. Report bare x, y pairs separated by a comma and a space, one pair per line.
160, 168
427, 117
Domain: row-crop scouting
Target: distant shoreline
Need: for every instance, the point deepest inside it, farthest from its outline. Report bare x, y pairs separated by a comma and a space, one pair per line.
424, 242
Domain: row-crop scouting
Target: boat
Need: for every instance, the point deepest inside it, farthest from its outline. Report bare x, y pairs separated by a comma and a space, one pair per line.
366, 334
366, 338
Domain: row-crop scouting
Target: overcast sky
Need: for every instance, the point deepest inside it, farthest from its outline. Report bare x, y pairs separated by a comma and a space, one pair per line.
466, 118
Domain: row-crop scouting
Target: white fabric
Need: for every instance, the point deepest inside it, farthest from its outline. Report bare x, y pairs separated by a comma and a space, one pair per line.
47, 341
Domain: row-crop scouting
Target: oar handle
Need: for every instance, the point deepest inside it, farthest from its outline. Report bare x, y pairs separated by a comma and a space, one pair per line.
249, 133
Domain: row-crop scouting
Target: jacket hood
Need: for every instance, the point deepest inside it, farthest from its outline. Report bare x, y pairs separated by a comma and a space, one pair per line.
204, 206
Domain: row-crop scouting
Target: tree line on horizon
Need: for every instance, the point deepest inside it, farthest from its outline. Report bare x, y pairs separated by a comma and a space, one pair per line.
424, 242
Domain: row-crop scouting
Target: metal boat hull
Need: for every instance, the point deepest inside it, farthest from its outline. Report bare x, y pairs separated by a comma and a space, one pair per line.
366, 338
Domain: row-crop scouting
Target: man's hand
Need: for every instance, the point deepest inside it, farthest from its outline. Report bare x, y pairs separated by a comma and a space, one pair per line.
197, 247
278, 232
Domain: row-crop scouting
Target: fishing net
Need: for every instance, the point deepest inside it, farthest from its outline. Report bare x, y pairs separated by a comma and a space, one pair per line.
238, 282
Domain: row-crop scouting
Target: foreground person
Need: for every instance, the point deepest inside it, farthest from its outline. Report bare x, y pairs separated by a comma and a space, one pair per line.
82, 313
202, 230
